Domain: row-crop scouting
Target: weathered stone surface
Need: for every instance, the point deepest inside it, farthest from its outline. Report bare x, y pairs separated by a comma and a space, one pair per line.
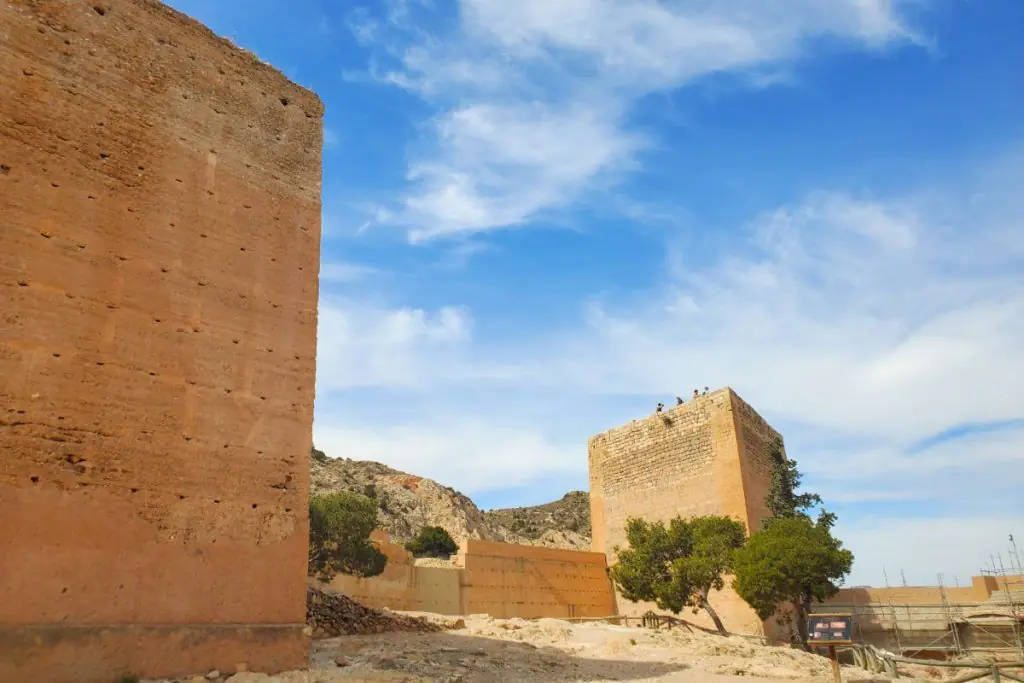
160, 200
707, 456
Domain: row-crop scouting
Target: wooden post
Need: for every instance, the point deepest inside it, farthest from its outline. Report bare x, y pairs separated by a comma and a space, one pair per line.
836, 675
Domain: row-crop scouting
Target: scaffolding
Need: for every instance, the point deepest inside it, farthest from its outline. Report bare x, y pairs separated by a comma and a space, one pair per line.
947, 628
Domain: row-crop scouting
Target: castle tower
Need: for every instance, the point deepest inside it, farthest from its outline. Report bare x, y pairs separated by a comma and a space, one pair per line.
708, 456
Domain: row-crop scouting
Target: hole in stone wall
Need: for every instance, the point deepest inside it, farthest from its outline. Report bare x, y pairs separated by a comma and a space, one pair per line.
64, 589
254, 506
187, 438
284, 101
22, 283
5, 169
227, 391
202, 234
99, 362
54, 184
34, 480
45, 234
241, 249
135, 490
99, 10
104, 155
152, 374
217, 501
142, 168
181, 497
56, 355
234, 341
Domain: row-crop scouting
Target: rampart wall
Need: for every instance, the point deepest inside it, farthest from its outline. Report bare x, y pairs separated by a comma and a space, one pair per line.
499, 579
160, 201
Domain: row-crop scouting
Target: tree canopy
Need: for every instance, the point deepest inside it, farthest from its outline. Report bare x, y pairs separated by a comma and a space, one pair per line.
783, 500
432, 541
791, 561
340, 525
677, 565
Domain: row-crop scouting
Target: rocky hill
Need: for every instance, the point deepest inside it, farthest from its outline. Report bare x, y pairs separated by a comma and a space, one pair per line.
568, 516
408, 503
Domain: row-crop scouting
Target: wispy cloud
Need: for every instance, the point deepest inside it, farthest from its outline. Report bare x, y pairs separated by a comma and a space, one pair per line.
862, 325
536, 96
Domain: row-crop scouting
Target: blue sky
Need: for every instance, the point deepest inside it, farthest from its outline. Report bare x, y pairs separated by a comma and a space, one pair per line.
542, 217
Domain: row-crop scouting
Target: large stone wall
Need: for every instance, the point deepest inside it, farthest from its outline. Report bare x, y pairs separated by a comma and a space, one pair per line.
499, 579
160, 201
707, 456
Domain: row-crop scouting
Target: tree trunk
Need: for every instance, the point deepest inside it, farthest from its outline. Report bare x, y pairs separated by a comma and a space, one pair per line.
706, 604
800, 616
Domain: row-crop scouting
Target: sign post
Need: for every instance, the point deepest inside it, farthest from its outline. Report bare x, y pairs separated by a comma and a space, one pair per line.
830, 630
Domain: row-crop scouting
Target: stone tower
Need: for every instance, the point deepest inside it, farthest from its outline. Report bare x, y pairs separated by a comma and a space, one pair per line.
709, 455
160, 204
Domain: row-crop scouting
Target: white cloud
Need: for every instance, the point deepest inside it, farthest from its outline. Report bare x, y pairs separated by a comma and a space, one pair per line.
365, 345
503, 164
866, 317
471, 454
344, 272
330, 139
536, 95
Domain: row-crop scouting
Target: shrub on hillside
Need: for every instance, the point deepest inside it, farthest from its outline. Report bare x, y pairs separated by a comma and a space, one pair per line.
432, 541
340, 525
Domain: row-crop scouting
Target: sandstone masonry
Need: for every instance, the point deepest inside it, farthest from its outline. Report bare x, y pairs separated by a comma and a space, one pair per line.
160, 209
707, 456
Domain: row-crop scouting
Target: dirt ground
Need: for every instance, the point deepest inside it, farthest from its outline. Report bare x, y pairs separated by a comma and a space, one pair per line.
546, 651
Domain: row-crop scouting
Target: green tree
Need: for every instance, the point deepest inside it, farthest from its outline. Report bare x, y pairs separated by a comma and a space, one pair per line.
432, 541
791, 561
340, 525
677, 565
782, 499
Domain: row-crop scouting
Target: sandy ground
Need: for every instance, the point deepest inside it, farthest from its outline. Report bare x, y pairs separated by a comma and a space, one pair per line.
549, 650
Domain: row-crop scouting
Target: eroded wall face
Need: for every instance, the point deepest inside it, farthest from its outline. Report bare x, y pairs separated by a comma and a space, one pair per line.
159, 198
